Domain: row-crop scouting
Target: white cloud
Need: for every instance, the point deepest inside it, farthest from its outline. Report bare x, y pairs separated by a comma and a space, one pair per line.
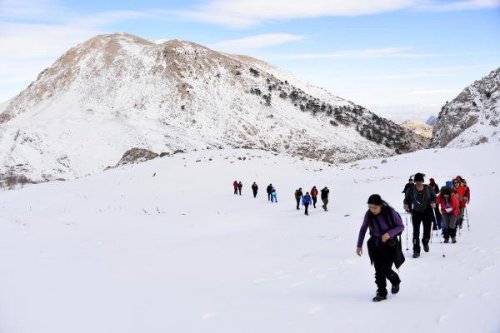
245, 13
255, 42
459, 5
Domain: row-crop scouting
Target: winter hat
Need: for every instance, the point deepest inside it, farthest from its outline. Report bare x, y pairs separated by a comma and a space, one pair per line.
445, 190
410, 180
375, 199
419, 177
431, 180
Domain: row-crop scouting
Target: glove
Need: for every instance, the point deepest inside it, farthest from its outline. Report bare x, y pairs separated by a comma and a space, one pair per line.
407, 209
433, 205
449, 210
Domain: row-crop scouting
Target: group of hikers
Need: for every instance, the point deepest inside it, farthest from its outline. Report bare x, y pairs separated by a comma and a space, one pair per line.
310, 198
433, 207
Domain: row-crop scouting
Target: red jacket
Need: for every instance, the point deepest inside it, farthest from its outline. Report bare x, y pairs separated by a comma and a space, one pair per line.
314, 192
454, 204
235, 184
462, 193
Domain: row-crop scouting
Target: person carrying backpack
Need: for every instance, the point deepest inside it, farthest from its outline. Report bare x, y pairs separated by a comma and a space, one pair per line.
420, 200
408, 185
255, 188
298, 196
314, 195
306, 201
274, 197
384, 245
324, 197
450, 209
269, 189
437, 211
461, 192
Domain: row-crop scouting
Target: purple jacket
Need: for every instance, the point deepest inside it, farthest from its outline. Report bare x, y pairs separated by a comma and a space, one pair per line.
384, 224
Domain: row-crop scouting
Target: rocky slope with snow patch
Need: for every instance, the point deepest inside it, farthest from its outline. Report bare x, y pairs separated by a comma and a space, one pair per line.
472, 117
117, 92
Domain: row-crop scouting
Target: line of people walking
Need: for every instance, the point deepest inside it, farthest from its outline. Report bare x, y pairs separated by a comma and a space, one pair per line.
425, 202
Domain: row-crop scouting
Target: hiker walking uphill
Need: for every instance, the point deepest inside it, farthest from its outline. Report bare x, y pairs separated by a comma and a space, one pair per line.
269, 189
240, 186
314, 196
408, 185
437, 211
255, 188
450, 209
384, 246
463, 195
420, 200
324, 197
274, 197
298, 197
235, 186
306, 201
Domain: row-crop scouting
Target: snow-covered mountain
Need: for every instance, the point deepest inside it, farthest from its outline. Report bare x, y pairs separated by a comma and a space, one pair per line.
419, 128
472, 117
117, 92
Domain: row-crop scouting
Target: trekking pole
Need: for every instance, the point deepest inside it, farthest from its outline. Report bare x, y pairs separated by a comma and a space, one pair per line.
440, 239
467, 217
406, 219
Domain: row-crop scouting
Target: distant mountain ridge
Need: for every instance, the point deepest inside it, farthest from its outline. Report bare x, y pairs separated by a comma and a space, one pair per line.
118, 92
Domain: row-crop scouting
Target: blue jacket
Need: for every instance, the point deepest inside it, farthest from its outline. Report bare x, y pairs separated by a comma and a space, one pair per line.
306, 199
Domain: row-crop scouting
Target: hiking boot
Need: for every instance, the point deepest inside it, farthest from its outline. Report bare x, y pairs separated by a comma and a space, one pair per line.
416, 254
426, 247
453, 240
395, 288
446, 240
379, 298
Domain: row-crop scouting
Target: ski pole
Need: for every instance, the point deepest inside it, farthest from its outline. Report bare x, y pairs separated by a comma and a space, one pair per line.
467, 217
406, 232
440, 239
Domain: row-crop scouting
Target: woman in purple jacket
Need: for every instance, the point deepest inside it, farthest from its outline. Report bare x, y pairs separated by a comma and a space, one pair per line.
384, 248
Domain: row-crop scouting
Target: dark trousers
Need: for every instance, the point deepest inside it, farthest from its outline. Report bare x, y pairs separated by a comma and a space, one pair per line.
315, 199
255, 194
239, 190
424, 218
298, 203
235, 190
449, 226
269, 196
383, 269
325, 203
307, 207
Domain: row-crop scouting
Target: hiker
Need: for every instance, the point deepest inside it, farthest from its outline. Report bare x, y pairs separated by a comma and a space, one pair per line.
235, 186
240, 186
420, 200
450, 209
463, 197
298, 197
324, 197
408, 185
314, 195
384, 247
255, 188
306, 201
269, 190
437, 224
274, 197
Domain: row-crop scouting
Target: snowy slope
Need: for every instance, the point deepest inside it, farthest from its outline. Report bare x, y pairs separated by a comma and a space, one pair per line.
117, 92
165, 246
473, 117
